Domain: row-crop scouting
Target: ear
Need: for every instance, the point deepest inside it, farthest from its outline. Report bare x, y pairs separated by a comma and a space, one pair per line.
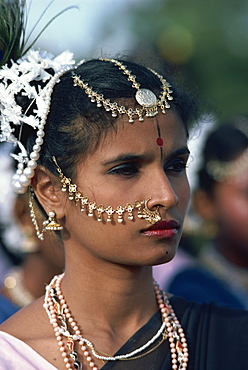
204, 205
47, 189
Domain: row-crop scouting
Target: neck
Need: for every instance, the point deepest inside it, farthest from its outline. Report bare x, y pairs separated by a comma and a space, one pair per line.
37, 272
56, 307
125, 295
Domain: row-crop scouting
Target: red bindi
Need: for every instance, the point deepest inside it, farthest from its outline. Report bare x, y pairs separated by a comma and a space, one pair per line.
160, 141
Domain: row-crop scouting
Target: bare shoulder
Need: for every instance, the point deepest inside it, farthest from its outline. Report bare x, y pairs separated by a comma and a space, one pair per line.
31, 325
29, 322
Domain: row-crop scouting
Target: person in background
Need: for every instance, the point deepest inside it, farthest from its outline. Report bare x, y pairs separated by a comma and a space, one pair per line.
103, 157
38, 262
221, 201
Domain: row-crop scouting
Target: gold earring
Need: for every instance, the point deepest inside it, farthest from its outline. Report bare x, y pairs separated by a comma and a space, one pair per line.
51, 223
151, 216
33, 215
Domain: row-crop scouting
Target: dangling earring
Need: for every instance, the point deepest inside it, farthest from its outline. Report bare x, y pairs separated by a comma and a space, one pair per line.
51, 223
33, 216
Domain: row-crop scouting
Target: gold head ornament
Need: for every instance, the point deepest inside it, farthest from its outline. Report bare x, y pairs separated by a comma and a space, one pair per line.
147, 100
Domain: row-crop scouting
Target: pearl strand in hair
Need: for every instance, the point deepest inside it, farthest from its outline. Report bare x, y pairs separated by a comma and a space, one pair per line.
22, 178
58, 310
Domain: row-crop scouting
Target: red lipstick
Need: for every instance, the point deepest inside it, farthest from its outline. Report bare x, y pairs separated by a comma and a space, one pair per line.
162, 229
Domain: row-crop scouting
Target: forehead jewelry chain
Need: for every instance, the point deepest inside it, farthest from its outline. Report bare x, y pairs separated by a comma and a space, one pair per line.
147, 100
91, 208
65, 326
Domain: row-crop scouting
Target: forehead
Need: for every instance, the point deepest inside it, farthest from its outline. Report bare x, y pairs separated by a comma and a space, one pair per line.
141, 136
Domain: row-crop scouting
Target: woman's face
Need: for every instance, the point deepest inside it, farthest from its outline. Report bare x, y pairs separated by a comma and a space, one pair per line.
139, 161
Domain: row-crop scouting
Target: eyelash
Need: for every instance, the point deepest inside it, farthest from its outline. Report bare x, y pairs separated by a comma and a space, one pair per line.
125, 170
178, 166
129, 170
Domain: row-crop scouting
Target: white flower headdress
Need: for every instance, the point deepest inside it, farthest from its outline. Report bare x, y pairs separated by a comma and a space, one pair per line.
15, 80
19, 66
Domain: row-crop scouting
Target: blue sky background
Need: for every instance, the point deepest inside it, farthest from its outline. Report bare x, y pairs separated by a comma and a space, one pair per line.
95, 27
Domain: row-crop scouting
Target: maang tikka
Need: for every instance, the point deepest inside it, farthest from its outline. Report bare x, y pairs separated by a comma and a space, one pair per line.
147, 100
91, 208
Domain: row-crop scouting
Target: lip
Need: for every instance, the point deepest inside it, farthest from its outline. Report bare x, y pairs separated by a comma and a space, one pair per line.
162, 229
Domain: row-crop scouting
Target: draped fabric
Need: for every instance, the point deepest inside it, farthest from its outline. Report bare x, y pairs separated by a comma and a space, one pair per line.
17, 355
217, 339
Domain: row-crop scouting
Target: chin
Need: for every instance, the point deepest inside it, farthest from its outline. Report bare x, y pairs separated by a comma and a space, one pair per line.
161, 258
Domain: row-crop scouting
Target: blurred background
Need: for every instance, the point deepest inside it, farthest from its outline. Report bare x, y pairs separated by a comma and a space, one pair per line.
207, 41
205, 45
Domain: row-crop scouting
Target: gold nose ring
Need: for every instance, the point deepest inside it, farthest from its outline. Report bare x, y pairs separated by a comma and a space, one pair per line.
151, 216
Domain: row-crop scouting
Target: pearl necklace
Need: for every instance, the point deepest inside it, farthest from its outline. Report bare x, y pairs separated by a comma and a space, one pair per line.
60, 317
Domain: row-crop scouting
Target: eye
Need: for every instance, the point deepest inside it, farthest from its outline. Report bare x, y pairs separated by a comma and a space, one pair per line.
125, 170
176, 165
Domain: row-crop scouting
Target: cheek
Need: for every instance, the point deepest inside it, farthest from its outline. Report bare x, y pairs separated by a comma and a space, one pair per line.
183, 192
182, 189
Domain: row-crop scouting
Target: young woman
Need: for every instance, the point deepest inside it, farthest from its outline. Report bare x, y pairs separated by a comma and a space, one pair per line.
103, 154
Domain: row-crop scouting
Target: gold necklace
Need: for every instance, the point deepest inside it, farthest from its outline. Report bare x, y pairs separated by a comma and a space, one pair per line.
65, 327
164, 337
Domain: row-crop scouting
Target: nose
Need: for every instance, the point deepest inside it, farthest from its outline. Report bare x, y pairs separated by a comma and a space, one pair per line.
163, 193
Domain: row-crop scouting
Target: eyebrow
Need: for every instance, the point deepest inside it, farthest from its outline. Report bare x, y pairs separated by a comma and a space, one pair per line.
181, 151
128, 157
125, 158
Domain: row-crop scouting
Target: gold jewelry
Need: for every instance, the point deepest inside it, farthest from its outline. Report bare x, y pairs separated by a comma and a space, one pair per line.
51, 223
151, 216
141, 206
64, 325
147, 100
33, 215
164, 337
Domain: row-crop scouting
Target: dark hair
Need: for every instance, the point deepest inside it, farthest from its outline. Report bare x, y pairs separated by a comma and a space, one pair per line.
224, 144
75, 125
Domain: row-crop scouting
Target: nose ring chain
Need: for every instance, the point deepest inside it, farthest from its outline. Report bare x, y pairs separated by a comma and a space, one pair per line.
91, 208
